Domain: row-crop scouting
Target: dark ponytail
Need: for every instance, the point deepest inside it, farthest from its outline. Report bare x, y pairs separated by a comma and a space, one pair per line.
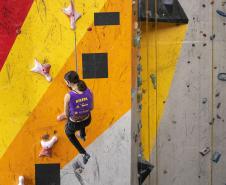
81, 85
71, 77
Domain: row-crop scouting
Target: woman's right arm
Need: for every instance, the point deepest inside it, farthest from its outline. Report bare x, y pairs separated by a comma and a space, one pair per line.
66, 104
65, 114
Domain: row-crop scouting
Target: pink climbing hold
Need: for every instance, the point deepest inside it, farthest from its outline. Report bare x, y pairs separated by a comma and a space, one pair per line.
72, 14
42, 69
47, 145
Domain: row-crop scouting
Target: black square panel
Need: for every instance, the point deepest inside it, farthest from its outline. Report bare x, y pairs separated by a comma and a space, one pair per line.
95, 65
47, 174
106, 18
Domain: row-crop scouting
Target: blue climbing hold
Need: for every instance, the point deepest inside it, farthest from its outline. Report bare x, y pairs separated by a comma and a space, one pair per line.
216, 157
221, 13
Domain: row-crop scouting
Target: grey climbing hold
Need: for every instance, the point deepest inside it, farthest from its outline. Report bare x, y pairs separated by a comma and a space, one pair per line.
216, 157
221, 13
212, 37
140, 107
217, 95
139, 97
136, 40
139, 68
154, 80
139, 126
218, 116
204, 100
218, 105
78, 167
135, 137
221, 76
139, 81
205, 151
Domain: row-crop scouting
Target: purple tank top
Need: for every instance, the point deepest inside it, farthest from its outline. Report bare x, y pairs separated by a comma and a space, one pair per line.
80, 105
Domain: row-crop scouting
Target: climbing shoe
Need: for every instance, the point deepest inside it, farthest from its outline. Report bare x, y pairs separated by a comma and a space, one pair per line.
86, 158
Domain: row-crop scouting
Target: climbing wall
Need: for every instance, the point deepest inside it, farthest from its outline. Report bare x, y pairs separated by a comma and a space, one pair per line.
183, 113
100, 50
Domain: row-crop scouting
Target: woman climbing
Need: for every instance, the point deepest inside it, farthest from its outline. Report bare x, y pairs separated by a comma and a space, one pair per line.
78, 104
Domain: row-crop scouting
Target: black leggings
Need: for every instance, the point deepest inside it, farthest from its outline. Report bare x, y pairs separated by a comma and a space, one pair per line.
70, 129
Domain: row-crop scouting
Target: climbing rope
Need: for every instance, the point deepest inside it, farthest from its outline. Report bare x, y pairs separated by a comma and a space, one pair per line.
75, 55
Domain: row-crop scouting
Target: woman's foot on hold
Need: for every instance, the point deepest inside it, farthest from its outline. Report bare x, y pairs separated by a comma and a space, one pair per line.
86, 158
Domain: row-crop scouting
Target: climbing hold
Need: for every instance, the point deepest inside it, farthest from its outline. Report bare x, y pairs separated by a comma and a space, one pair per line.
139, 97
89, 29
212, 122
221, 13
18, 31
205, 151
139, 58
212, 37
221, 76
72, 14
78, 167
217, 94
216, 157
154, 80
139, 81
144, 169
174, 122
204, 100
140, 107
135, 137
139, 126
21, 180
42, 69
218, 105
136, 25
136, 41
218, 116
47, 145
139, 68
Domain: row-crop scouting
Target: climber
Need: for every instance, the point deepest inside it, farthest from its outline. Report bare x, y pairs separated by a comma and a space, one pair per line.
78, 104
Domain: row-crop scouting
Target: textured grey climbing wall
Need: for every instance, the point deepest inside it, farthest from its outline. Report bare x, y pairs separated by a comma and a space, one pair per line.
108, 153
194, 114
184, 129
219, 95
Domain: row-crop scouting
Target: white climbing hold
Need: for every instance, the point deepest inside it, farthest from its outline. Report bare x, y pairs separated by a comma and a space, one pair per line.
21, 180
47, 145
72, 14
42, 69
